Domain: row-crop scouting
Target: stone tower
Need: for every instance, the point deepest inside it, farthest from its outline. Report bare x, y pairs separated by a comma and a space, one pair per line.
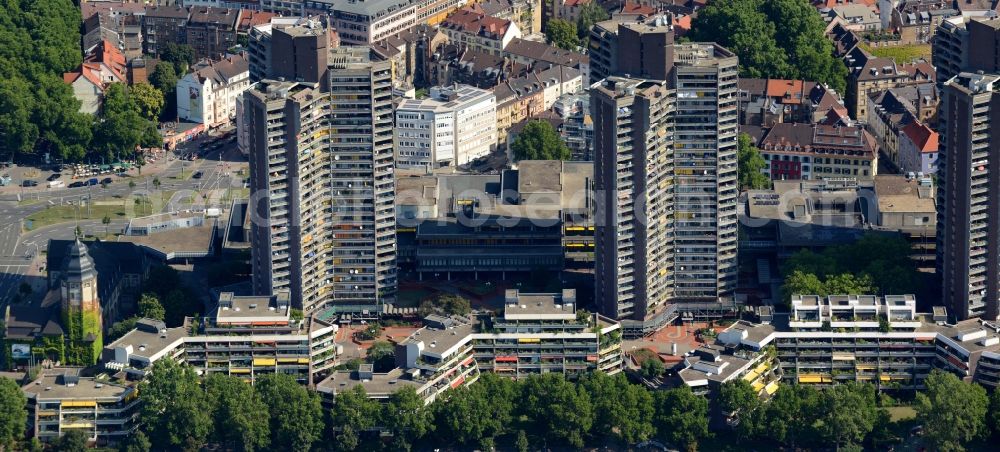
81, 307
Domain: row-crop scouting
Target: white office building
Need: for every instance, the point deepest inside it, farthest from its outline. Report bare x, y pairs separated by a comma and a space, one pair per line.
453, 126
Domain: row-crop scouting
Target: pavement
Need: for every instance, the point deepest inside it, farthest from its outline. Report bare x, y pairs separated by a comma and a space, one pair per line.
21, 253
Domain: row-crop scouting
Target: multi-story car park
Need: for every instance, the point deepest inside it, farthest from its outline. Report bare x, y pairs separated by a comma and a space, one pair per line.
537, 333
321, 151
247, 337
837, 339
61, 402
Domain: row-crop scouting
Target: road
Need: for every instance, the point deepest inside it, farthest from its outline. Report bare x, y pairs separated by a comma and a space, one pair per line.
20, 253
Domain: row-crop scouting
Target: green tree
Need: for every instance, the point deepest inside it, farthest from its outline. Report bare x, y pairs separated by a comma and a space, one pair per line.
119, 328
181, 55
850, 414
791, 415
72, 441
106, 221
150, 307
352, 414
175, 412
555, 409
652, 368
590, 13
521, 443
122, 128
952, 412
296, 415
740, 401
382, 355
13, 414
136, 442
620, 409
148, 99
562, 34
539, 141
751, 162
240, 415
473, 416
406, 417
446, 304
164, 78
772, 38
681, 417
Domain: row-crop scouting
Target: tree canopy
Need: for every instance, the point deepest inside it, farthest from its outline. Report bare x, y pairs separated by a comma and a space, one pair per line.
446, 304
952, 412
13, 415
175, 411
877, 263
296, 417
751, 162
590, 13
562, 34
539, 141
773, 39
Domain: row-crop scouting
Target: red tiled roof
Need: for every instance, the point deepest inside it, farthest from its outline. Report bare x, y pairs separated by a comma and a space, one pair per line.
834, 3
110, 56
636, 8
922, 136
790, 91
250, 18
472, 19
682, 25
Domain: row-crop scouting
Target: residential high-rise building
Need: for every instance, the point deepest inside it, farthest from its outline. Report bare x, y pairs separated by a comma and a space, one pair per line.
290, 47
321, 178
968, 195
631, 47
966, 44
665, 172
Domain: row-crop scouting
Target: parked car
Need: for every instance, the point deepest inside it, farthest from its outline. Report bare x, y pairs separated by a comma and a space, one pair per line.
53, 177
76, 184
107, 180
197, 175
29, 183
93, 181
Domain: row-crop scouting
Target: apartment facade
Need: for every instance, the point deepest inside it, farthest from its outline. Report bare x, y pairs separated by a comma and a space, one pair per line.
454, 126
367, 22
290, 47
665, 172
968, 195
321, 156
246, 337
163, 25
211, 31
472, 29
537, 333
62, 402
965, 43
632, 46
817, 151
208, 94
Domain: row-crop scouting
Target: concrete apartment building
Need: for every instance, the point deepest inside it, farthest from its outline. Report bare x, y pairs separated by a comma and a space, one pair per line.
665, 172
289, 47
454, 126
898, 119
968, 196
246, 337
536, 333
60, 401
966, 43
917, 21
321, 150
627, 45
208, 94
880, 340
367, 22
211, 31
163, 25
868, 75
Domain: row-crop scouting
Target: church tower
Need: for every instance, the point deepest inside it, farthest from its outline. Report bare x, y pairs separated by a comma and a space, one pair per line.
81, 307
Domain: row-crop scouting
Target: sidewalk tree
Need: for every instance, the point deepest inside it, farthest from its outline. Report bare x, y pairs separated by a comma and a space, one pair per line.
473, 415
13, 414
352, 414
652, 368
739, 400
952, 412
175, 412
620, 409
539, 141
149, 100
681, 417
241, 418
849, 414
106, 221
71, 441
562, 34
296, 416
406, 417
556, 409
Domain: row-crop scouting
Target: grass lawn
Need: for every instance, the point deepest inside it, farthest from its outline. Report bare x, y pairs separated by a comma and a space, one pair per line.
902, 54
900, 413
116, 208
642, 354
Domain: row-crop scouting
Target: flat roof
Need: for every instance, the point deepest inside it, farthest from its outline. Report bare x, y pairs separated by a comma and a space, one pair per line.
539, 306
380, 383
164, 217
254, 307
438, 341
897, 194
179, 242
66, 385
148, 344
